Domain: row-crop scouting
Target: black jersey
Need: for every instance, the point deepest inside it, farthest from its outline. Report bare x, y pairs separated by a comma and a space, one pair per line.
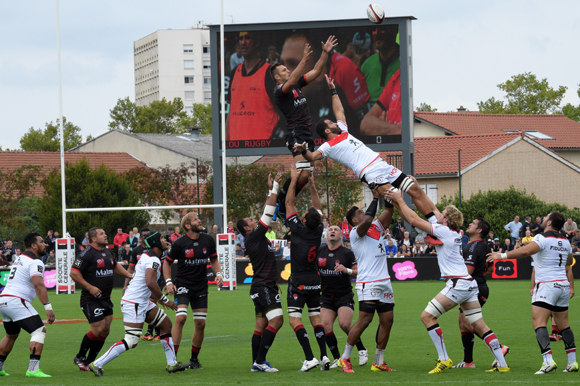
136, 254
261, 252
294, 106
97, 267
334, 283
475, 255
303, 252
192, 256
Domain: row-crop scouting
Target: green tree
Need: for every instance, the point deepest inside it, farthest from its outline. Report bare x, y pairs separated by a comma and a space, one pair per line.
160, 117
342, 192
571, 111
426, 108
525, 94
90, 188
49, 138
201, 117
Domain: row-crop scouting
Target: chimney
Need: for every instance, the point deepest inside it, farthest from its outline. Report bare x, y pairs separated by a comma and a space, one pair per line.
461, 110
195, 132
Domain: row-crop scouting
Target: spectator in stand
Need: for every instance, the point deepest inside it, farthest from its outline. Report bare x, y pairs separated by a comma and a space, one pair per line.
496, 247
49, 241
132, 240
570, 228
168, 236
9, 252
119, 238
508, 246
286, 251
231, 228
214, 232
324, 238
396, 232
175, 235
242, 241
125, 253
85, 241
405, 251
3, 262
136, 233
407, 240
430, 250
518, 243
50, 261
239, 251
417, 249
526, 225
391, 249
271, 235
18, 252
347, 244
575, 248
278, 252
537, 227
345, 228
514, 229
576, 239
420, 238
490, 238
527, 238
464, 239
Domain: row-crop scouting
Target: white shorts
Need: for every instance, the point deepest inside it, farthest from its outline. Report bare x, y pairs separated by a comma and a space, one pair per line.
376, 290
461, 291
554, 293
14, 309
135, 312
380, 172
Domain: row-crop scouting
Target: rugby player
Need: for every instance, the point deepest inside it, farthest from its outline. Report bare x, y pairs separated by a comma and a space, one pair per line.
461, 289
336, 266
475, 256
93, 271
290, 100
551, 295
138, 308
304, 282
25, 282
192, 250
264, 290
373, 282
368, 165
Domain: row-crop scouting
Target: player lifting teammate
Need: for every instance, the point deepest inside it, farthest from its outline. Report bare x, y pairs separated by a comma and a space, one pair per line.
93, 271
138, 308
25, 282
552, 254
192, 251
290, 100
336, 266
264, 290
461, 289
373, 283
304, 282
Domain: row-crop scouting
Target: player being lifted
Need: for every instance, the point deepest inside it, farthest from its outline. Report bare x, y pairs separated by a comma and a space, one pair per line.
304, 282
264, 290
25, 282
290, 100
461, 289
552, 254
368, 165
138, 308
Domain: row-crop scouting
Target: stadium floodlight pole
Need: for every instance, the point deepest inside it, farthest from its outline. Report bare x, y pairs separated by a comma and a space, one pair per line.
61, 126
223, 116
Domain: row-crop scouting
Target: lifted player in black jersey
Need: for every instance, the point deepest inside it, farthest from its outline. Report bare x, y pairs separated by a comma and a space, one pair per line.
290, 100
192, 250
264, 290
304, 282
336, 265
93, 270
475, 255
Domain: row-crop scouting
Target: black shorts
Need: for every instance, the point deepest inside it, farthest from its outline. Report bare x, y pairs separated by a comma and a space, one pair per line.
294, 137
265, 298
196, 299
29, 325
97, 309
298, 298
335, 302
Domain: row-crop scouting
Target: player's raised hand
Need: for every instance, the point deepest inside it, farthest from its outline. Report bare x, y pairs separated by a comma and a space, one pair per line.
294, 173
340, 268
278, 177
50, 316
330, 82
331, 42
170, 289
393, 195
270, 182
300, 147
219, 281
491, 257
307, 52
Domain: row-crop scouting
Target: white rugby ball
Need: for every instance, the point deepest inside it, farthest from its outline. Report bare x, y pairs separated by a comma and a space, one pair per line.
375, 13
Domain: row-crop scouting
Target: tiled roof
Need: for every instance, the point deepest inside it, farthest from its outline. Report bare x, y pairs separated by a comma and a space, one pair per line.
565, 131
119, 162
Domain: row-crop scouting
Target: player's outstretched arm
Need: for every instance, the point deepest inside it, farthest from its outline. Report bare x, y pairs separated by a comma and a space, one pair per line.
367, 220
531, 249
386, 217
40, 288
570, 275
307, 154
121, 271
407, 213
151, 282
336, 103
291, 194
169, 286
326, 50
314, 193
297, 73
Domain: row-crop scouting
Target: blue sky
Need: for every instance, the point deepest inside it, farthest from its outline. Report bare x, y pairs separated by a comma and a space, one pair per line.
461, 49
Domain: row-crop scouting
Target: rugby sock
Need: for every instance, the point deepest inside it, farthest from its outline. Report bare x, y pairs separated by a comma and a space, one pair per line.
437, 337
347, 351
95, 349
332, 344
265, 343
194, 353
359, 345
86, 344
379, 356
493, 343
2, 360
544, 341
157, 331
149, 329
321, 339
302, 336
117, 349
167, 343
467, 338
33, 364
256, 338
569, 345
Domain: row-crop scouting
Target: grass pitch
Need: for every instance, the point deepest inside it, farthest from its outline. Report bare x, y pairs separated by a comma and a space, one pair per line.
226, 352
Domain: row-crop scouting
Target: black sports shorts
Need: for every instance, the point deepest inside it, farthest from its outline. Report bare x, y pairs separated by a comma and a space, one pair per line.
335, 302
97, 309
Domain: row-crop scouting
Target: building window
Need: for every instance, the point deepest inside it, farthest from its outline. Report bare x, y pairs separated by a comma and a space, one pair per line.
188, 79
206, 65
206, 80
189, 95
431, 191
207, 94
206, 50
188, 64
188, 48
189, 109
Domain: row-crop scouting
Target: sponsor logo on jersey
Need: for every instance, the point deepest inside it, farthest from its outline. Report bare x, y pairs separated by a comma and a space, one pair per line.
337, 262
298, 102
99, 311
103, 254
196, 262
100, 263
195, 244
155, 266
205, 251
78, 263
329, 272
112, 262
104, 272
40, 269
189, 253
322, 261
561, 249
295, 93
295, 296
308, 287
254, 296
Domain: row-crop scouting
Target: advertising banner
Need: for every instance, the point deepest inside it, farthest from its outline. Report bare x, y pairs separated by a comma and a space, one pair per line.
226, 250
65, 255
